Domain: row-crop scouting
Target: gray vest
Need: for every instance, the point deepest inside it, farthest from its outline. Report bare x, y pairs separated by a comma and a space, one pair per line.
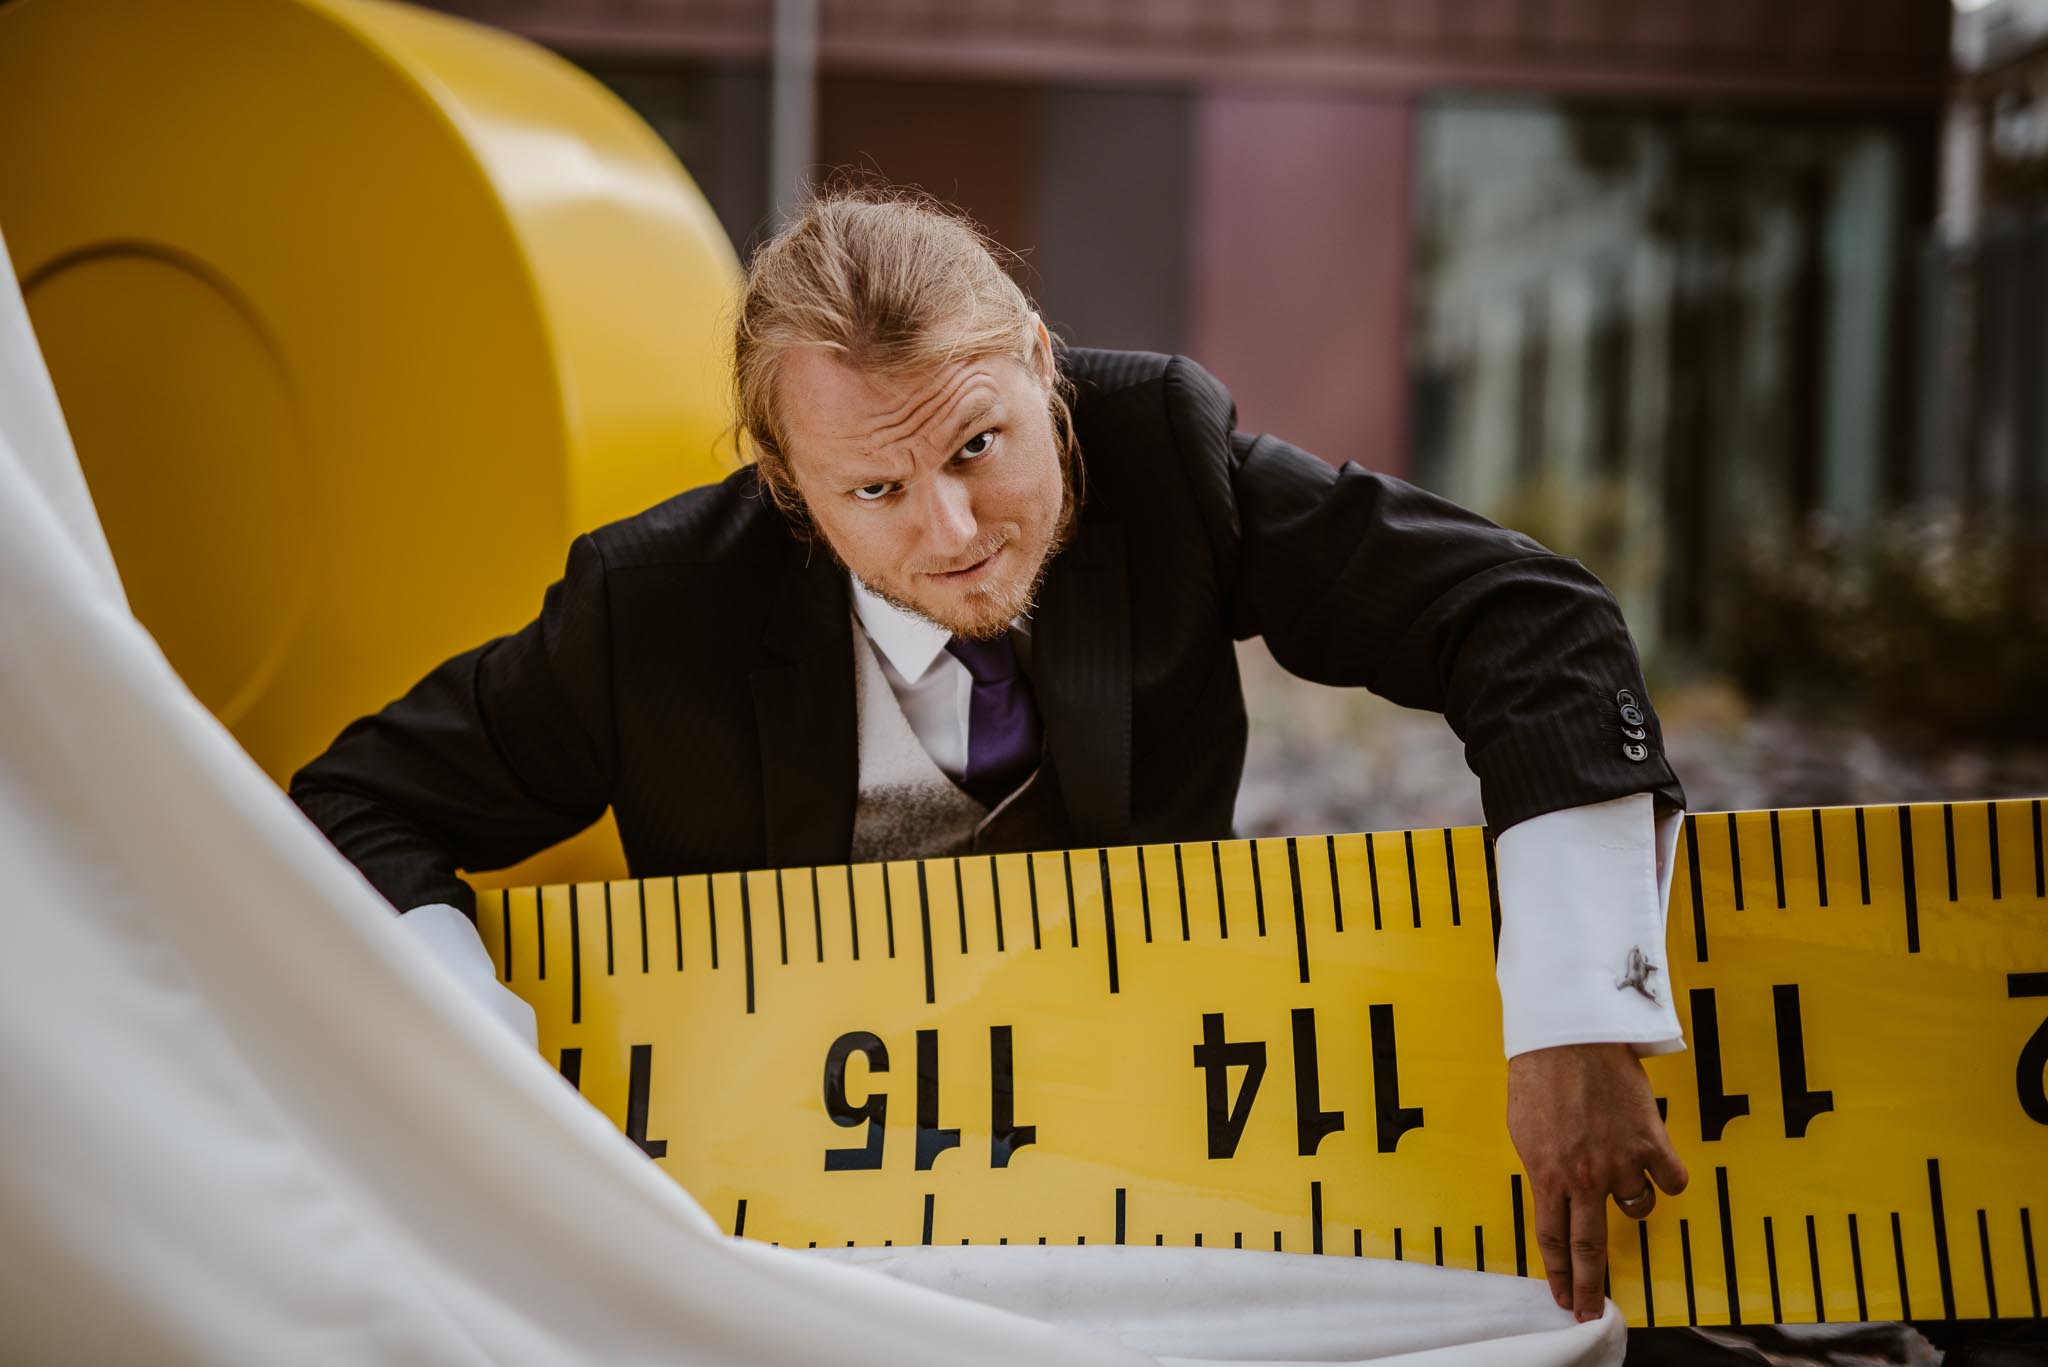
909, 809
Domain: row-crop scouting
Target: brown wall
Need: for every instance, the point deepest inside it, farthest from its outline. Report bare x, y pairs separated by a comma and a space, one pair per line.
973, 144
1231, 177
1276, 255
1855, 50
1299, 260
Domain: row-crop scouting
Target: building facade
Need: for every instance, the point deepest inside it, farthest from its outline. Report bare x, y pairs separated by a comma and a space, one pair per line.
1983, 441
1638, 275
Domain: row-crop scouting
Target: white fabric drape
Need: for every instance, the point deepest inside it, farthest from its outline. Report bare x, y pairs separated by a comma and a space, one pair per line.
243, 1118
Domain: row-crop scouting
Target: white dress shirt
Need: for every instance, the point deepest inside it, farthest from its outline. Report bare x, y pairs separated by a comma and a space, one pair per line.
1580, 890
934, 689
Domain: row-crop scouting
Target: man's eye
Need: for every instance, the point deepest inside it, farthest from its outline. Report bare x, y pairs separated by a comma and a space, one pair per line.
869, 493
978, 445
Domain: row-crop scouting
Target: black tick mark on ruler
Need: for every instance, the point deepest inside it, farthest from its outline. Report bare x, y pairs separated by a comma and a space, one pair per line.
1862, 857
640, 897
1991, 831
924, 920
1728, 1245
1908, 881
1216, 867
1820, 858
675, 911
1300, 912
575, 961
747, 937
711, 912
1073, 917
1180, 883
889, 911
1948, 841
1108, 920
817, 918
1451, 875
1414, 891
1735, 862
960, 902
781, 917
1699, 905
1145, 896
852, 914
1031, 886
995, 887
1336, 888
1778, 859
1372, 870
1258, 888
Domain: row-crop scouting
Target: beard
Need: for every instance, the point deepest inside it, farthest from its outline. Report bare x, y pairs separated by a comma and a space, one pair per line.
988, 610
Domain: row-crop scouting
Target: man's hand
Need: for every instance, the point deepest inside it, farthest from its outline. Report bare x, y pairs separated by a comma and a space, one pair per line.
1586, 1127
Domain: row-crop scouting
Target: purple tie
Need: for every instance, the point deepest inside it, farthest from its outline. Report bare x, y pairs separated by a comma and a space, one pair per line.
1002, 720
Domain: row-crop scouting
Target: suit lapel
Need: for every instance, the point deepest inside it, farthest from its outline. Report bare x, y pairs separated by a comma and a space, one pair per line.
804, 713
1081, 649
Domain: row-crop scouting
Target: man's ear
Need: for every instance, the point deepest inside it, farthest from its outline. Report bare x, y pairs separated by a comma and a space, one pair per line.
1045, 367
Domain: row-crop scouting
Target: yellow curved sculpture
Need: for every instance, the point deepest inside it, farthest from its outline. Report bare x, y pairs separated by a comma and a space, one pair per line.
358, 313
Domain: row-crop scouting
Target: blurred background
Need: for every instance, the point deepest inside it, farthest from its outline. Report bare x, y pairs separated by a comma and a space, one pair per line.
1742, 303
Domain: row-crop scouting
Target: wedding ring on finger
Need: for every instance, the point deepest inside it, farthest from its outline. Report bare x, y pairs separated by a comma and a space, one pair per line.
1638, 1205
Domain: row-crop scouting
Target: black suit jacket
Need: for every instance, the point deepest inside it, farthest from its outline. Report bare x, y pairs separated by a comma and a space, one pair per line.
693, 668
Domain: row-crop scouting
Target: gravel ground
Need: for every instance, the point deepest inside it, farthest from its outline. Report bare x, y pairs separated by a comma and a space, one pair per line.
1328, 759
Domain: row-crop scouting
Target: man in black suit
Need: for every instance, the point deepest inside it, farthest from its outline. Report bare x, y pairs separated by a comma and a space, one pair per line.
973, 594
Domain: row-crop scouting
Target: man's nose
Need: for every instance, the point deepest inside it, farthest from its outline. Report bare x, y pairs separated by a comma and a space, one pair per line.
949, 516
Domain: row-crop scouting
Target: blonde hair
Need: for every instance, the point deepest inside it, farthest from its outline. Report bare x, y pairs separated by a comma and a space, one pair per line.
898, 284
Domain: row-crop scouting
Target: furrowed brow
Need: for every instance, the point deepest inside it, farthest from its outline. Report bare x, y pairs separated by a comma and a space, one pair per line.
977, 413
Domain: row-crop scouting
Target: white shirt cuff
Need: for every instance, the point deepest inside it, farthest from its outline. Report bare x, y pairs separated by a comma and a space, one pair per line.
1582, 905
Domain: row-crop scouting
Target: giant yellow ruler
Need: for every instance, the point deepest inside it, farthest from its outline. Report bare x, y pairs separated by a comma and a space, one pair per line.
1294, 1043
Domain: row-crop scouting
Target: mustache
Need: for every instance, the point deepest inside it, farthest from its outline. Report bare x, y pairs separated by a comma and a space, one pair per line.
984, 547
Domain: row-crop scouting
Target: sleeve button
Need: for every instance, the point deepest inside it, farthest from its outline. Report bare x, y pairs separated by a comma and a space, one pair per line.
1636, 751
1631, 714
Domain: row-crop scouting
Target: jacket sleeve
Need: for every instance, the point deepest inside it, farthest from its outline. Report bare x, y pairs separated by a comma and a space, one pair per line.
1357, 578
500, 752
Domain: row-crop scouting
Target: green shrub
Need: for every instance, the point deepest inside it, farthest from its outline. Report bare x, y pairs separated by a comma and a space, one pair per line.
1930, 620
